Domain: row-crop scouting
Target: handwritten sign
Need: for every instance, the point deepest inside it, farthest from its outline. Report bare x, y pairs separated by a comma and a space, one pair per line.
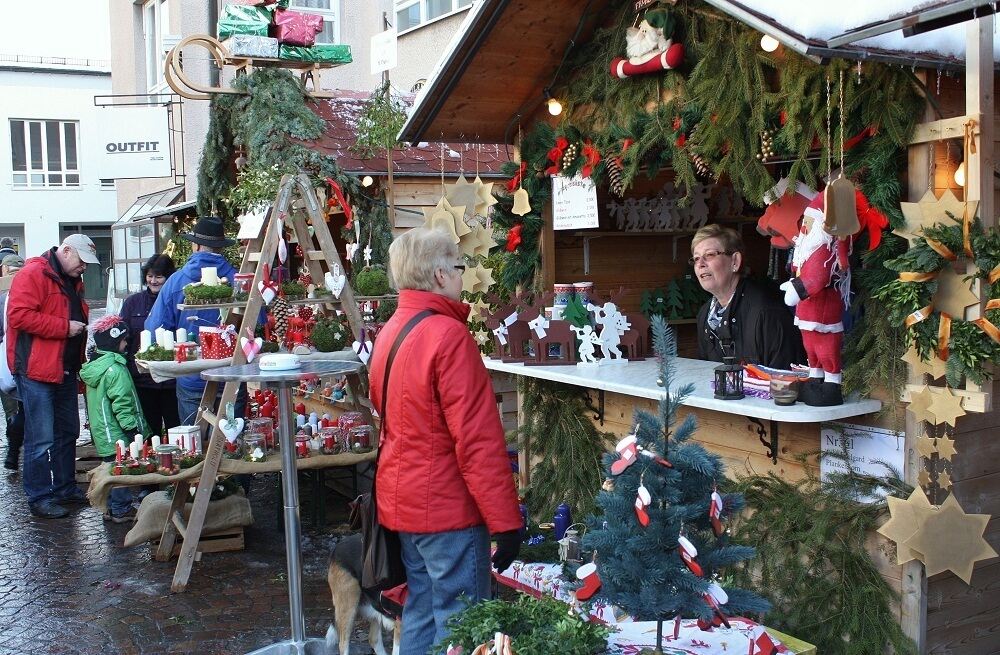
574, 203
867, 448
384, 53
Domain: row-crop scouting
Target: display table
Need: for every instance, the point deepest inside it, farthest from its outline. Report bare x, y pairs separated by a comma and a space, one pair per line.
630, 636
161, 371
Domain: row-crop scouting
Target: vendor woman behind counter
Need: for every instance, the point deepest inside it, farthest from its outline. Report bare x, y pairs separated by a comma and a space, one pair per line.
741, 311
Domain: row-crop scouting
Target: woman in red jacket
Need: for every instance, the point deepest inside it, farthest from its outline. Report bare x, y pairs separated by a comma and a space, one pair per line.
444, 480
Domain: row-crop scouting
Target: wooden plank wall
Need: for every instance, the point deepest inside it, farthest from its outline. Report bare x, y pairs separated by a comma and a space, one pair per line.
412, 194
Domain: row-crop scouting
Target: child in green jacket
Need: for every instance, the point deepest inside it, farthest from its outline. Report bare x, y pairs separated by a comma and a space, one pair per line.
112, 404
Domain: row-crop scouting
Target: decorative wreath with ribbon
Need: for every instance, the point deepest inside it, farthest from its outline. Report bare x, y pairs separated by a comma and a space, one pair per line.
914, 297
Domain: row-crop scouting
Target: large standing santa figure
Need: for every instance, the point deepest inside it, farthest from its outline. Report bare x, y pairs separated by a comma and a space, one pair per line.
820, 291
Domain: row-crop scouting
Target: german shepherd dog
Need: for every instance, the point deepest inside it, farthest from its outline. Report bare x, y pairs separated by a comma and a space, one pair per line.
350, 602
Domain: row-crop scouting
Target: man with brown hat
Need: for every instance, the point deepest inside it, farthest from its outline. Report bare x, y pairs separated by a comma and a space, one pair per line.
46, 337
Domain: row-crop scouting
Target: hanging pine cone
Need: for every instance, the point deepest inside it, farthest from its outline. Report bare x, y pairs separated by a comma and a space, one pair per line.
616, 177
281, 311
701, 167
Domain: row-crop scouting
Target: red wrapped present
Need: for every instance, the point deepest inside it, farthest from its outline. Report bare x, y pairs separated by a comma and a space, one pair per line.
296, 28
217, 343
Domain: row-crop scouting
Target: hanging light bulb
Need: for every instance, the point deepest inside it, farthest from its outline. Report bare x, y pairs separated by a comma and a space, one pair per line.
367, 181
555, 107
241, 160
960, 175
768, 43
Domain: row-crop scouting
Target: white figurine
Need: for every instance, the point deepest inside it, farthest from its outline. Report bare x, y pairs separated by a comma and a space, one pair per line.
613, 326
588, 339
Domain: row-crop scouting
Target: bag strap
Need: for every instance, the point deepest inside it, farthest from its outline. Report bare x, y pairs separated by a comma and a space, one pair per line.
388, 369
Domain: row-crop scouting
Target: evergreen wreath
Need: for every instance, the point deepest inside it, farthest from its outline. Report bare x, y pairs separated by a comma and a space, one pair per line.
970, 345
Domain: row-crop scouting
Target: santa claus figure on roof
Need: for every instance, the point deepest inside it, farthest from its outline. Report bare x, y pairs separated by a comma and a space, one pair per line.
820, 292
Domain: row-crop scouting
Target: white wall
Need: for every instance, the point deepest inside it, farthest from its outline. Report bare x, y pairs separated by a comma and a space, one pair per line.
53, 94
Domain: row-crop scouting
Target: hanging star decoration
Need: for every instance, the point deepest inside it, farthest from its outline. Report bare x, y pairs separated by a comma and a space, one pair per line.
925, 446
920, 401
481, 337
954, 294
470, 281
447, 217
906, 517
944, 480
484, 196
946, 448
934, 366
924, 478
367, 254
485, 278
951, 540
946, 406
462, 193
930, 210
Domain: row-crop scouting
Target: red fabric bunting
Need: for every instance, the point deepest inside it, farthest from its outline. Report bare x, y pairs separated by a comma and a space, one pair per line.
555, 155
514, 238
591, 158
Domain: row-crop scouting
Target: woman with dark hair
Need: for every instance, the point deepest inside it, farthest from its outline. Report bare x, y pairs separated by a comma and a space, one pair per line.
158, 399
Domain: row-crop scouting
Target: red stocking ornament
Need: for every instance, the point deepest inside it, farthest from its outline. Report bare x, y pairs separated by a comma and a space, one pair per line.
714, 512
688, 552
591, 583
627, 450
642, 500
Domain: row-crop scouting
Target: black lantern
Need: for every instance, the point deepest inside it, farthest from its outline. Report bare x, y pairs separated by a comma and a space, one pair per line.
729, 376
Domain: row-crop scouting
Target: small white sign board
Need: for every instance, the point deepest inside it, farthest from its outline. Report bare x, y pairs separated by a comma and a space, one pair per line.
135, 143
251, 223
867, 447
574, 203
384, 54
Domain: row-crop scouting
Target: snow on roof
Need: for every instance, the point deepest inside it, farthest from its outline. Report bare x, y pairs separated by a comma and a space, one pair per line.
820, 20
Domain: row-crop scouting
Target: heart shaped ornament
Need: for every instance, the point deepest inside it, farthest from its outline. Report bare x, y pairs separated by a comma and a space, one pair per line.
251, 347
363, 350
335, 283
268, 291
231, 429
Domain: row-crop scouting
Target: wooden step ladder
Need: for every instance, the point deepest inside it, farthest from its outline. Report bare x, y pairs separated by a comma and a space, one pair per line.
316, 249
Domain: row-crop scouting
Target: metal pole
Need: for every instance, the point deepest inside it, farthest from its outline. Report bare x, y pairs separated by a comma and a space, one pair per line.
293, 531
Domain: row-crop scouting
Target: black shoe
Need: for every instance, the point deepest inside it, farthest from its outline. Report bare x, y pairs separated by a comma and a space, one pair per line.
75, 497
810, 390
828, 395
10, 466
48, 509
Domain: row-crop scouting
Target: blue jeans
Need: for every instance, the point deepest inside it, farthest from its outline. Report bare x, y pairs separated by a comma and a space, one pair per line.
440, 568
188, 401
52, 420
120, 500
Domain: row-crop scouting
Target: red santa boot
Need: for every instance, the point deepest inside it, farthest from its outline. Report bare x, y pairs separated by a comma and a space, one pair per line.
591, 583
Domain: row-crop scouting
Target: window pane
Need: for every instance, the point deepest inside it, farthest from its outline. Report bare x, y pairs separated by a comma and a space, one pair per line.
121, 283
150, 28
20, 179
407, 18
437, 8
311, 4
73, 179
464, 3
132, 244
37, 179
19, 157
52, 150
35, 139
70, 145
118, 237
135, 278
55, 180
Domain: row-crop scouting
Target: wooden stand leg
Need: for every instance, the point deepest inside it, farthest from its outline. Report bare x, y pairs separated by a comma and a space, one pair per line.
169, 536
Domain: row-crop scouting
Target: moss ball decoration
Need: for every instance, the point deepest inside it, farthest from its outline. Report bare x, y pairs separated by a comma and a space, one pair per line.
386, 308
330, 335
372, 281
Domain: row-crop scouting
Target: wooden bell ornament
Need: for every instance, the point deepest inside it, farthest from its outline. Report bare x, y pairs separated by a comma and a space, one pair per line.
840, 205
521, 204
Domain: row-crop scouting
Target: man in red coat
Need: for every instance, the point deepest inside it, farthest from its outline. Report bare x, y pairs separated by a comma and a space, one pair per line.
46, 337
444, 480
819, 292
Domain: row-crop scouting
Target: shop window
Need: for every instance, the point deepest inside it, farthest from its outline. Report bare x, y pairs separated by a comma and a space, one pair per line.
44, 153
155, 28
413, 13
329, 10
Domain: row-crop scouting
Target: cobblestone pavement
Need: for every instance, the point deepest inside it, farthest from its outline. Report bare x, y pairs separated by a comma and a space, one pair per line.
67, 586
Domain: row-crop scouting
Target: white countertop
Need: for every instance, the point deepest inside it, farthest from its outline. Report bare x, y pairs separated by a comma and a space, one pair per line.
639, 379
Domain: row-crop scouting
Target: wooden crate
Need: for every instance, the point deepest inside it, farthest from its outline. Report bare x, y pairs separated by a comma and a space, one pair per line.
86, 460
230, 540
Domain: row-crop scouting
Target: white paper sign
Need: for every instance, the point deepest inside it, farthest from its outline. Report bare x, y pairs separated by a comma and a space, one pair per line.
866, 446
384, 55
574, 203
135, 143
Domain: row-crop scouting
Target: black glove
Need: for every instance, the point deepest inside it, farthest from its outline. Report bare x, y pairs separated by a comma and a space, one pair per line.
508, 545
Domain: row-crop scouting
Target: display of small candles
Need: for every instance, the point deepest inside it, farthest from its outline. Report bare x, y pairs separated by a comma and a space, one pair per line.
361, 438
263, 427
183, 352
132, 458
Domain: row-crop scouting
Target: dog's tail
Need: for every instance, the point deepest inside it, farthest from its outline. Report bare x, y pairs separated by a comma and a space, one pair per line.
331, 640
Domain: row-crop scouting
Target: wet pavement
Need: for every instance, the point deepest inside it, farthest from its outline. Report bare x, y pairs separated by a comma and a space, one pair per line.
67, 586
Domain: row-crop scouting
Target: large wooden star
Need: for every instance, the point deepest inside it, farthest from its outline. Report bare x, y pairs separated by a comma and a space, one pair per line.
953, 293
944, 480
470, 281
448, 217
933, 366
930, 210
920, 402
946, 407
485, 278
946, 448
951, 540
925, 446
484, 196
906, 517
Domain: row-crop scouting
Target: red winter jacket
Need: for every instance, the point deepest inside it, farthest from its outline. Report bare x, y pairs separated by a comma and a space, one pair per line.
38, 321
444, 462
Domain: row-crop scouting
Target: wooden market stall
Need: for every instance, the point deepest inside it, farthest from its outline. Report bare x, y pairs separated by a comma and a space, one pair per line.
956, 124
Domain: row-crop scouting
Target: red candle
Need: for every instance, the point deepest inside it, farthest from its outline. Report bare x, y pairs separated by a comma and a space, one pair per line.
300, 408
118, 452
267, 409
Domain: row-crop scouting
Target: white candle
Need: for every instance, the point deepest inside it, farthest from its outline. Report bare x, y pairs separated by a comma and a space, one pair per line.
156, 442
313, 419
137, 442
168, 340
145, 340
300, 420
159, 336
182, 335
210, 275
133, 449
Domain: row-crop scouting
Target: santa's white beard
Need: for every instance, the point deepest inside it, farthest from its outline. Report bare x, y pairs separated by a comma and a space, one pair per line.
808, 243
644, 40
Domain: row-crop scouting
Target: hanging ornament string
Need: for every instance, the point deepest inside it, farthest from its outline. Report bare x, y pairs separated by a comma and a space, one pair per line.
969, 148
443, 190
829, 131
842, 111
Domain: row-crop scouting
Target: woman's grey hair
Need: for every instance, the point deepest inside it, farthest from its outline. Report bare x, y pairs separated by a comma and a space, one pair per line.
417, 254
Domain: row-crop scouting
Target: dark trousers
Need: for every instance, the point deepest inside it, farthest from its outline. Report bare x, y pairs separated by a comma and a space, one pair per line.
159, 406
15, 429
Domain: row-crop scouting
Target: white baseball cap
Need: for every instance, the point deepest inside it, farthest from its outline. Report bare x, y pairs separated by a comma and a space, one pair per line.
84, 247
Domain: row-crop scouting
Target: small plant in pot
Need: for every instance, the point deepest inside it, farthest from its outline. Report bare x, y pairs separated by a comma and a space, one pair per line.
330, 335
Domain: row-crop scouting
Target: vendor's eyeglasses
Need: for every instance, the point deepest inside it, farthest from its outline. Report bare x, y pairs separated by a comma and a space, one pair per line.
459, 267
708, 256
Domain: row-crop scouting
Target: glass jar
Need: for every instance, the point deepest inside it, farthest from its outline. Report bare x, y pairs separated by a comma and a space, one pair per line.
242, 285
254, 447
301, 445
332, 439
165, 457
350, 420
263, 426
361, 437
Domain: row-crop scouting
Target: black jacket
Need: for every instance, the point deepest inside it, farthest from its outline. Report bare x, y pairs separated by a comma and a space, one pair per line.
134, 311
761, 326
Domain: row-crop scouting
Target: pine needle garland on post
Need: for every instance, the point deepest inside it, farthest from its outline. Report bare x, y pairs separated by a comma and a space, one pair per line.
642, 561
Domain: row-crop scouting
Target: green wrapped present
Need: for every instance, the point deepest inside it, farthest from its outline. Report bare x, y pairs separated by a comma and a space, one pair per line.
242, 19
322, 54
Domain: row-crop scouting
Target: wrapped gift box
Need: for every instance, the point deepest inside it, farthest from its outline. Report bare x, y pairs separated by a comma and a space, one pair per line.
242, 45
243, 19
296, 28
323, 54
217, 343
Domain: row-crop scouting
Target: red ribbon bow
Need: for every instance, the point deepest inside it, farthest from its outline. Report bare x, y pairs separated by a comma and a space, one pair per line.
871, 219
591, 157
515, 181
338, 199
555, 155
514, 238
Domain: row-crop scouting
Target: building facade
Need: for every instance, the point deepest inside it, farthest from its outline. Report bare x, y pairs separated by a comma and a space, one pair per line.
51, 183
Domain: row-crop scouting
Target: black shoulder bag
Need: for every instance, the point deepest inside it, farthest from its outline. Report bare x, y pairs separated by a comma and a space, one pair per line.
382, 567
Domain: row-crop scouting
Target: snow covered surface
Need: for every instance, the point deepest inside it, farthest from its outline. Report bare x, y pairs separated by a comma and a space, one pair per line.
820, 20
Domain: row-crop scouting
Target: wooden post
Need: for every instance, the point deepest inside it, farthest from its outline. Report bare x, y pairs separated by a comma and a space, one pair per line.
979, 104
